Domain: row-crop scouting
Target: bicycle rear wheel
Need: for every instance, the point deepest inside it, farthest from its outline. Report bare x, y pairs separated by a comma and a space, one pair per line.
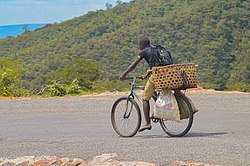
126, 117
179, 129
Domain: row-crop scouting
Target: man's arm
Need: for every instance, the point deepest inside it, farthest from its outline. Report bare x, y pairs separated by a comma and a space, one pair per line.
129, 69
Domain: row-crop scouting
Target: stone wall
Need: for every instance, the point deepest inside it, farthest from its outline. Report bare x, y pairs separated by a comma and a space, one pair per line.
102, 160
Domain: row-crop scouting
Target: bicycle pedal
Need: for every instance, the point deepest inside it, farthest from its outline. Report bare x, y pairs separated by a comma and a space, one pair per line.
155, 120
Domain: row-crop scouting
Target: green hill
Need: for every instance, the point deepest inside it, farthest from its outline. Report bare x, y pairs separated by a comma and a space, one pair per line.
213, 34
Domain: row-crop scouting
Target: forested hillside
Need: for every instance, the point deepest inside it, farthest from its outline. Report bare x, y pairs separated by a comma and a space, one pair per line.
89, 52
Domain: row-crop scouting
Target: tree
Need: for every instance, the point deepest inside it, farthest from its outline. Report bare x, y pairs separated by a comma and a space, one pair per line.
26, 28
10, 83
108, 5
85, 71
118, 2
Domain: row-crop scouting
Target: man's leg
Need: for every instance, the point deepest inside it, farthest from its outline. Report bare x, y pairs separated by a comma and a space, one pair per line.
148, 93
146, 110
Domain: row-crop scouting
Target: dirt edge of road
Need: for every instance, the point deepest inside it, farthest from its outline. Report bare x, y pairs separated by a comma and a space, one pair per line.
192, 90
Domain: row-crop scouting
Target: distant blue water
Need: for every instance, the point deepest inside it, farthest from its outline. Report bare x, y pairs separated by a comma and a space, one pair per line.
14, 30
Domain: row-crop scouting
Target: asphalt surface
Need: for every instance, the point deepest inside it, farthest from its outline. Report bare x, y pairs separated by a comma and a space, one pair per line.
81, 127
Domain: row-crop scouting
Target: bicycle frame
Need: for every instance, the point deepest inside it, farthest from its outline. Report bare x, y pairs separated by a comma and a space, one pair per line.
132, 90
132, 95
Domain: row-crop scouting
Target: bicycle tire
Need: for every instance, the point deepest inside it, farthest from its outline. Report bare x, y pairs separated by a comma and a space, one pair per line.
186, 129
135, 111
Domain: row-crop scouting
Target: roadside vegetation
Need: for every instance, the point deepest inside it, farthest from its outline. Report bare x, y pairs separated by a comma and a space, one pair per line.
88, 53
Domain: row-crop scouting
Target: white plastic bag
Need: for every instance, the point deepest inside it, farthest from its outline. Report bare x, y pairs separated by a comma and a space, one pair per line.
166, 107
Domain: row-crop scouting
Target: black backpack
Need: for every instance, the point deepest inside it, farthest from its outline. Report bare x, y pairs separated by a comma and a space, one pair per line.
162, 56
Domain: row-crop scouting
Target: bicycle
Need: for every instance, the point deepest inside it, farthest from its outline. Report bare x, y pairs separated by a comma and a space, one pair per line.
127, 110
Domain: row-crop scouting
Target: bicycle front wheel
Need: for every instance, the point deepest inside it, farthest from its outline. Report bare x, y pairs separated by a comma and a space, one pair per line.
179, 129
126, 117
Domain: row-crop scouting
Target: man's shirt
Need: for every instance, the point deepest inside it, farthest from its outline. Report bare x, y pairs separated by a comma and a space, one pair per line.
148, 54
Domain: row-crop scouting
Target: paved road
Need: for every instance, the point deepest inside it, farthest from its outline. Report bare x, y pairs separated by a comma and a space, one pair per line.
81, 127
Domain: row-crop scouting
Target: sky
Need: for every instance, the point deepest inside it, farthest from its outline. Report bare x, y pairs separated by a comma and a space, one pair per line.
46, 11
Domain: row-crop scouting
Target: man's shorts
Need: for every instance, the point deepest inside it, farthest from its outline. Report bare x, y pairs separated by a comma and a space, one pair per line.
149, 89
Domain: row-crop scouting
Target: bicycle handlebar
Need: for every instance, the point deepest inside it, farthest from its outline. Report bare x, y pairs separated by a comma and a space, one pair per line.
135, 77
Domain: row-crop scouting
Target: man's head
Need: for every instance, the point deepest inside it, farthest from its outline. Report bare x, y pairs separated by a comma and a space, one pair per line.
143, 43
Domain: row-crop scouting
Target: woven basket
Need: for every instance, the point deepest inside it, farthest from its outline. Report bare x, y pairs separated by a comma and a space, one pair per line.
178, 76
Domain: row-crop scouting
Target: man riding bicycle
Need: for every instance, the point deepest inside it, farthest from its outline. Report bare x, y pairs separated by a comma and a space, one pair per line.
155, 55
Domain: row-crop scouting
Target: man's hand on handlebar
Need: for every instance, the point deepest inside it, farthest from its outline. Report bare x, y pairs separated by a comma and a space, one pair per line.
122, 77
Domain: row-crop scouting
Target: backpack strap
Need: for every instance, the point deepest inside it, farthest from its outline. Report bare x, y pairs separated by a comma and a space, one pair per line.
154, 50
